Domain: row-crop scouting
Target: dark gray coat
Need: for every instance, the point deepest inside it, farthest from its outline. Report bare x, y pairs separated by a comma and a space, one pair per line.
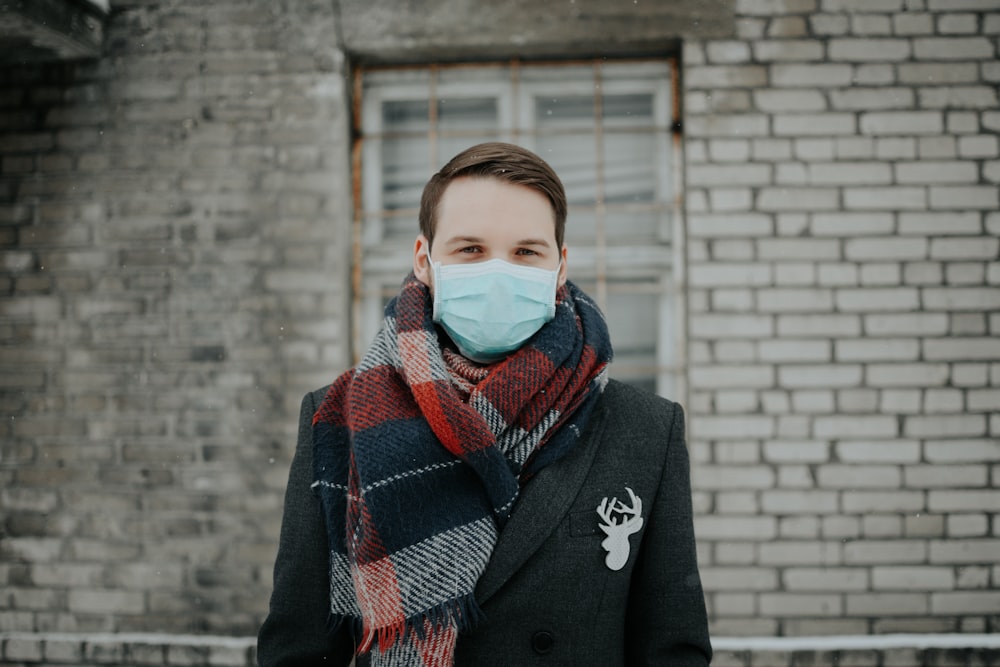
547, 594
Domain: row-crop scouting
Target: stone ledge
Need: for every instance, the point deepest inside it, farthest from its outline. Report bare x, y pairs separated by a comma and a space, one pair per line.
376, 31
78, 650
897, 650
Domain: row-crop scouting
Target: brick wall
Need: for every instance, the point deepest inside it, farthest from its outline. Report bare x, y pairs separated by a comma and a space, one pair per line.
844, 236
174, 221
172, 230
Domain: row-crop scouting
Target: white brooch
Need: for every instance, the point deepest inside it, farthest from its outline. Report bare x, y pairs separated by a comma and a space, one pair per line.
616, 542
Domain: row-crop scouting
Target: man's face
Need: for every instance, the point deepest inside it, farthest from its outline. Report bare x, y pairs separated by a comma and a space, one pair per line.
486, 218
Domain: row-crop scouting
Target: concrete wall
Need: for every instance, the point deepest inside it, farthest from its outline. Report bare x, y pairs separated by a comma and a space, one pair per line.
174, 221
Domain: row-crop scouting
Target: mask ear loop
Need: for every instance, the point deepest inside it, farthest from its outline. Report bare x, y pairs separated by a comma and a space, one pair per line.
435, 275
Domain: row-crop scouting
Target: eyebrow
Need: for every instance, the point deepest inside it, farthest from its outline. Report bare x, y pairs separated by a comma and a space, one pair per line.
541, 242
476, 239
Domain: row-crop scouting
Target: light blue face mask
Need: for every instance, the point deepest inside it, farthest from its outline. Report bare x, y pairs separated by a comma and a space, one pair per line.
490, 309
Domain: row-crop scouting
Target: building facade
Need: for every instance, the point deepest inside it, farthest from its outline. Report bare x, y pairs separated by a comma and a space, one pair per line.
180, 219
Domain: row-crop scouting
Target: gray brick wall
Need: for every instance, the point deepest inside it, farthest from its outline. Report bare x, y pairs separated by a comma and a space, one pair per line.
173, 227
174, 255
843, 246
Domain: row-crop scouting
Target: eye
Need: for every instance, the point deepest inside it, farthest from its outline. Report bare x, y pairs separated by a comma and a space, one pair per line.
526, 251
470, 249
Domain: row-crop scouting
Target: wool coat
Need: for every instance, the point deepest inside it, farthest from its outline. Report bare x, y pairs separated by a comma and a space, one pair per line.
548, 594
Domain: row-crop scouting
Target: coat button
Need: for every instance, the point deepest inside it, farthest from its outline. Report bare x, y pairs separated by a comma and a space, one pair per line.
542, 642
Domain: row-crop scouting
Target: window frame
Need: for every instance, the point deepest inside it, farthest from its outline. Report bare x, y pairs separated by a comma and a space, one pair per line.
378, 273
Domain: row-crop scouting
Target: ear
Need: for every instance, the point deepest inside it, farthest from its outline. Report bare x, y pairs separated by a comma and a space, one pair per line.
562, 269
421, 265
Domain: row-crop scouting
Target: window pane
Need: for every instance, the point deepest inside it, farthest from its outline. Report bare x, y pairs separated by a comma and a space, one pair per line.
630, 173
404, 172
569, 111
581, 230
405, 116
633, 314
574, 158
627, 110
456, 114
629, 228
622, 227
632, 320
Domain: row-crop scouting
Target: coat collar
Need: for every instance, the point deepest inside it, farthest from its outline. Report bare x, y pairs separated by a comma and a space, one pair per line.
540, 508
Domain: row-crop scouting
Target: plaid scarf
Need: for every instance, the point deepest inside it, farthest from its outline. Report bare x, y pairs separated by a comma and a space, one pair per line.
419, 455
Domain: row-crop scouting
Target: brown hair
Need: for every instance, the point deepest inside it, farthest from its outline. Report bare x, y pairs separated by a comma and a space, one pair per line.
506, 162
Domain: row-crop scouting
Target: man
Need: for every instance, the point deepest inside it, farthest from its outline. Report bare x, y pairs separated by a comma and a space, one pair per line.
477, 492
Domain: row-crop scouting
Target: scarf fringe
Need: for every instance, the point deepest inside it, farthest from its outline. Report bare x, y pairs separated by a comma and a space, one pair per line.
462, 613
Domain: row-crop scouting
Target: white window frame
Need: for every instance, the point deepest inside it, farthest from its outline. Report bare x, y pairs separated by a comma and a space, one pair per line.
380, 264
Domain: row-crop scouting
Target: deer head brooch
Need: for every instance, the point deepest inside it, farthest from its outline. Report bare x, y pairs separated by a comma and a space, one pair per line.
628, 521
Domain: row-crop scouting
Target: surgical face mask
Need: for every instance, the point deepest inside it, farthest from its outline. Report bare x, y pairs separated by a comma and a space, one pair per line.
490, 309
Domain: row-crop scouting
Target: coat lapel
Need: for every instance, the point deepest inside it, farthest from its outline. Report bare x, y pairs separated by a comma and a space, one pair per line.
540, 508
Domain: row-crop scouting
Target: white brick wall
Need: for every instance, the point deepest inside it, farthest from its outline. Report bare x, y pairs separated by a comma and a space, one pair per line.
844, 272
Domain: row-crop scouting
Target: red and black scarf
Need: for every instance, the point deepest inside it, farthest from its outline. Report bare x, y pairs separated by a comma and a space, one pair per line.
418, 458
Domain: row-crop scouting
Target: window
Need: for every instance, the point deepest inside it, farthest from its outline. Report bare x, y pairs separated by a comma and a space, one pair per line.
607, 127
